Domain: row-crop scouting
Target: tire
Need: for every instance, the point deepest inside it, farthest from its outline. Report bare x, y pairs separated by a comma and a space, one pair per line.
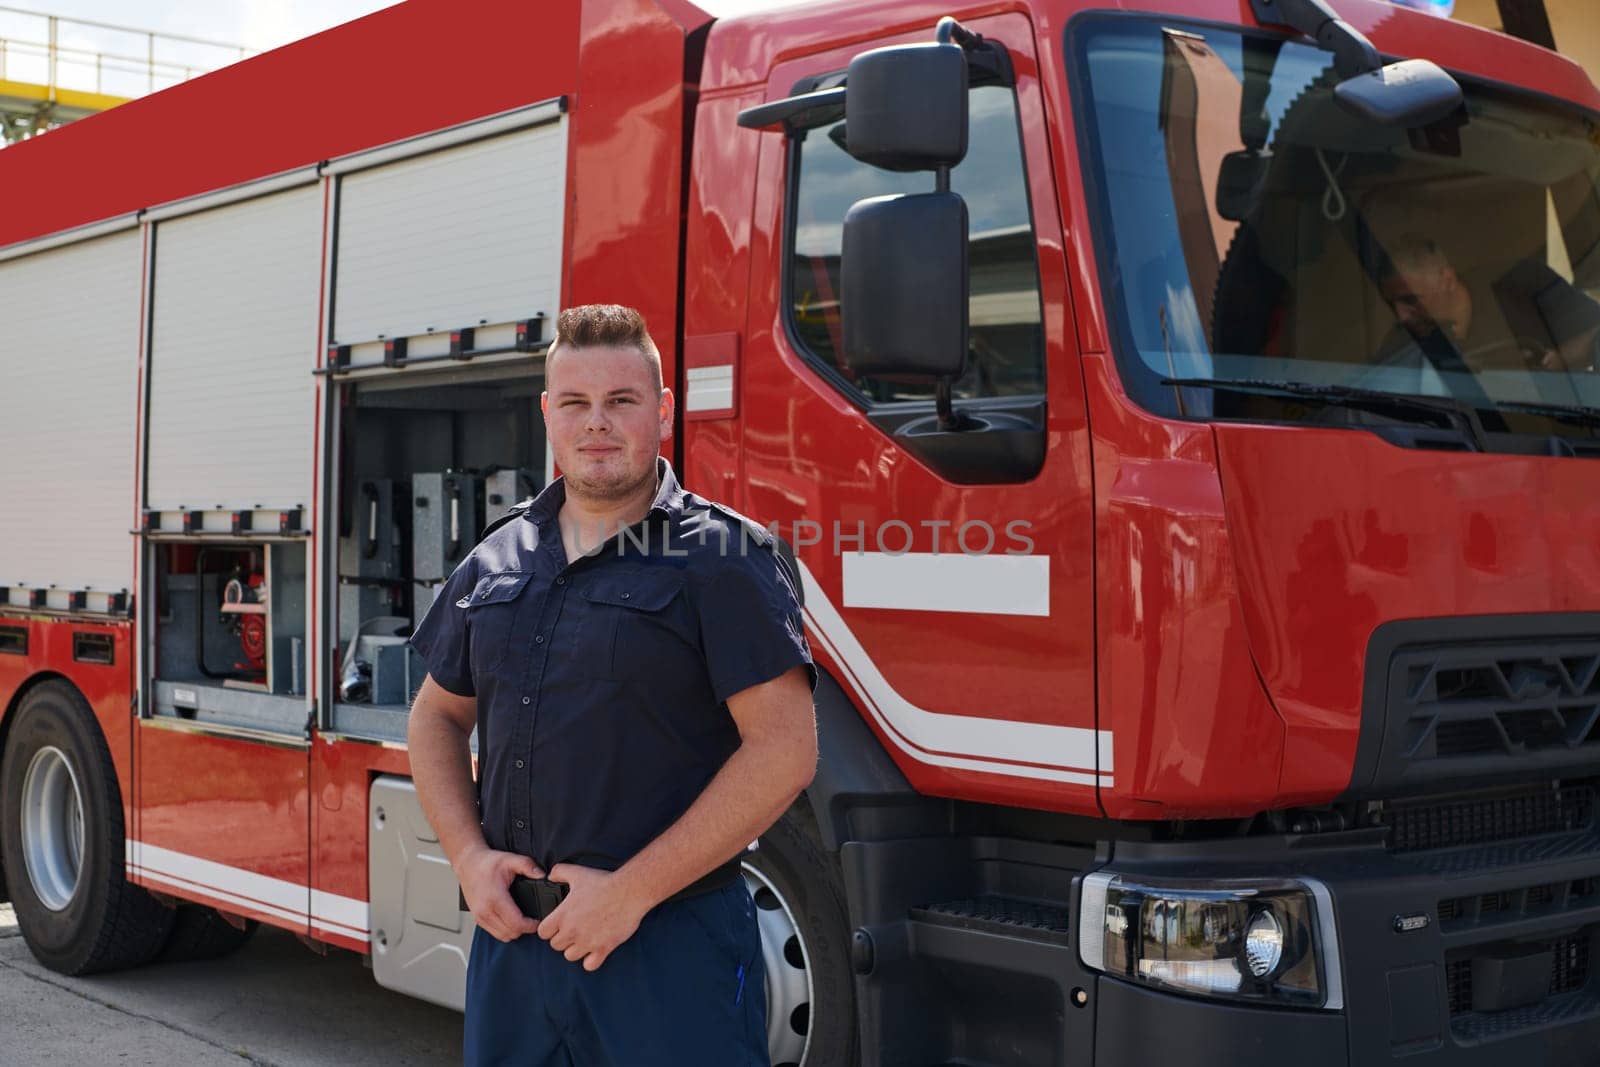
805, 943
201, 933
63, 846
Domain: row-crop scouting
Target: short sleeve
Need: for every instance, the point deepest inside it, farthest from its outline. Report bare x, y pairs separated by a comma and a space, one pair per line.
442, 638
750, 625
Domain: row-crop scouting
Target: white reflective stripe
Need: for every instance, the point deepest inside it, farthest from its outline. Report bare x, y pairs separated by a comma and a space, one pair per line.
989, 584
709, 388
1056, 753
175, 882
341, 910
276, 896
342, 931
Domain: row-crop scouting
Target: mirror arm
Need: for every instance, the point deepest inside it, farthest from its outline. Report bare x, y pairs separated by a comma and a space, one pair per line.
984, 57
1353, 54
792, 112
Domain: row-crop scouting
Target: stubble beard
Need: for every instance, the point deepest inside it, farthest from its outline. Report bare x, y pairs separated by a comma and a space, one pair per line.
618, 486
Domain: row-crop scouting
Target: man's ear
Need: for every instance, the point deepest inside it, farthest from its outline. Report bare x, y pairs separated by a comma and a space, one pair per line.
665, 411
544, 403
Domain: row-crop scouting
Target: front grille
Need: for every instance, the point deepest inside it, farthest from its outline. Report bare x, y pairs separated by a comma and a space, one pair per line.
1494, 700
1569, 971
1458, 986
1505, 816
1508, 904
1455, 703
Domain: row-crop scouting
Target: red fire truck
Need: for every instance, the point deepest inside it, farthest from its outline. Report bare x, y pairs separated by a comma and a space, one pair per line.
1182, 412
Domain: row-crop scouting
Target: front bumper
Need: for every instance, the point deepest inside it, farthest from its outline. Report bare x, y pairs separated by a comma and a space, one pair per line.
1408, 988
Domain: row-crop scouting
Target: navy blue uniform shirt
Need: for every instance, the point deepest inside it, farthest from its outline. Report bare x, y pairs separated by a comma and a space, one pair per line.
602, 682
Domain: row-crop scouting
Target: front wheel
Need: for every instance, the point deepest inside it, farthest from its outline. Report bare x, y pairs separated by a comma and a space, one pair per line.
805, 944
62, 845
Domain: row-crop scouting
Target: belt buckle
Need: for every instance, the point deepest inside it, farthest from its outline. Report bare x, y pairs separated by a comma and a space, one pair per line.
548, 895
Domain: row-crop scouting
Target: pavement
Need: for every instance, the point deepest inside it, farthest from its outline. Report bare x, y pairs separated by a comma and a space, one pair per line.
274, 1003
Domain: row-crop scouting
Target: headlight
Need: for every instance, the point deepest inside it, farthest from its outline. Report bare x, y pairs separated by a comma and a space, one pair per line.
1270, 941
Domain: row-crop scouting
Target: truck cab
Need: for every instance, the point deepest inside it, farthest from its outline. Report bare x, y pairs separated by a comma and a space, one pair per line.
1183, 418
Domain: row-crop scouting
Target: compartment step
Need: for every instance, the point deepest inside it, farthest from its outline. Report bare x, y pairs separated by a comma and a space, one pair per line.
1010, 916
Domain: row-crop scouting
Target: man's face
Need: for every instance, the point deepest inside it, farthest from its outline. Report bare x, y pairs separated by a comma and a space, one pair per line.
1422, 299
604, 420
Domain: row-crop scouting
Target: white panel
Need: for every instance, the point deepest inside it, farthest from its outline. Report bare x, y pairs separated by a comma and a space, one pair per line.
69, 364
710, 388
1014, 747
234, 345
455, 238
991, 584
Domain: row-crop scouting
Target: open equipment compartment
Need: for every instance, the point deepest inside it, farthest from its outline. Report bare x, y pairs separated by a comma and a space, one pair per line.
228, 645
427, 459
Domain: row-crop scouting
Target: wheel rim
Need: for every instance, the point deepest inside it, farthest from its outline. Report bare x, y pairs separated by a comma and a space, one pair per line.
52, 828
787, 964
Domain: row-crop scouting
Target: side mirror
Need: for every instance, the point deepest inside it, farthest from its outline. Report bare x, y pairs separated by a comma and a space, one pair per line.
906, 107
1411, 93
904, 286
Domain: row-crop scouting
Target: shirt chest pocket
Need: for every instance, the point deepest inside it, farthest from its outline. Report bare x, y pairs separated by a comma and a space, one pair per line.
633, 626
492, 609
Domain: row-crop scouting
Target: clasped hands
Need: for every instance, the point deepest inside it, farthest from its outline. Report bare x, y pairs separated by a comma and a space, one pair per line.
600, 912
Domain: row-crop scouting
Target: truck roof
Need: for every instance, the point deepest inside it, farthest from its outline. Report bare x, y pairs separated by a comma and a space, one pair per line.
746, 44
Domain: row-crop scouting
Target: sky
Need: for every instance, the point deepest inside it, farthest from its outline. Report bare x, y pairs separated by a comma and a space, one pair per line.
259, 24
255, 24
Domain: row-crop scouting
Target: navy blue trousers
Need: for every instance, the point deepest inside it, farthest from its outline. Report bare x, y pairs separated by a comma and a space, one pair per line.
687, 988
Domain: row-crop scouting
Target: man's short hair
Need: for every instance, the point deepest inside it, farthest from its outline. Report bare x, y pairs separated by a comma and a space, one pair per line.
605, 326
1411, 254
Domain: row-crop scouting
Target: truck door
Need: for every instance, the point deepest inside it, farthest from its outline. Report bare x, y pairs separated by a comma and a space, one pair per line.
226, 493
948, 589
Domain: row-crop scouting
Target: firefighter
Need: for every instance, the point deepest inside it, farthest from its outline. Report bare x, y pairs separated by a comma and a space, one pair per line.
633, 658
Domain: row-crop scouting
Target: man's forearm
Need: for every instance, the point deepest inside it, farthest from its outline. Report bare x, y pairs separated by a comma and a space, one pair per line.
754, 787
441, 769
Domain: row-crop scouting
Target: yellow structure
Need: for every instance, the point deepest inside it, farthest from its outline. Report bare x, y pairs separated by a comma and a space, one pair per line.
54, 70
1575, 25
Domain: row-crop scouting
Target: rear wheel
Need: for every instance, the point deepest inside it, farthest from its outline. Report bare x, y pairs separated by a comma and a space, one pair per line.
805, 944
202, 933
62, 844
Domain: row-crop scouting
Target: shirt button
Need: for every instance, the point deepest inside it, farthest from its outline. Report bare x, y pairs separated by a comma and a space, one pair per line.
527, 700
539, 640
520, 824
561, 581
519, 765
626, 595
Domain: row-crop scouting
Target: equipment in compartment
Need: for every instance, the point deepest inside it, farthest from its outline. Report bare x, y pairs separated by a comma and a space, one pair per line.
244, 608
232, 615
506, 487
236, 597
444, 522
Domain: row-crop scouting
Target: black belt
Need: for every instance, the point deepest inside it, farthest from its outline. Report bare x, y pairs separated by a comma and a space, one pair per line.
538, 897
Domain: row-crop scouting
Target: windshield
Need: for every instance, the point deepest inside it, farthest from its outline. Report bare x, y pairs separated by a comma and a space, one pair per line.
1259, 233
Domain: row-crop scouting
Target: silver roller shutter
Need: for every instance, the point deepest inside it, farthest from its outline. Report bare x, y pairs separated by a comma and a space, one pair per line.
233, 347
459, 237
69, 360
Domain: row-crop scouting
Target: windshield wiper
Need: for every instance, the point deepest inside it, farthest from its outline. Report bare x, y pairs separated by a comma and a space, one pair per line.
1560, 412
1401, 405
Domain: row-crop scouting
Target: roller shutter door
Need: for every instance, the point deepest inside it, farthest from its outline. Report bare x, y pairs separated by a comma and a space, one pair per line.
233, 347
459, 237
69, 357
